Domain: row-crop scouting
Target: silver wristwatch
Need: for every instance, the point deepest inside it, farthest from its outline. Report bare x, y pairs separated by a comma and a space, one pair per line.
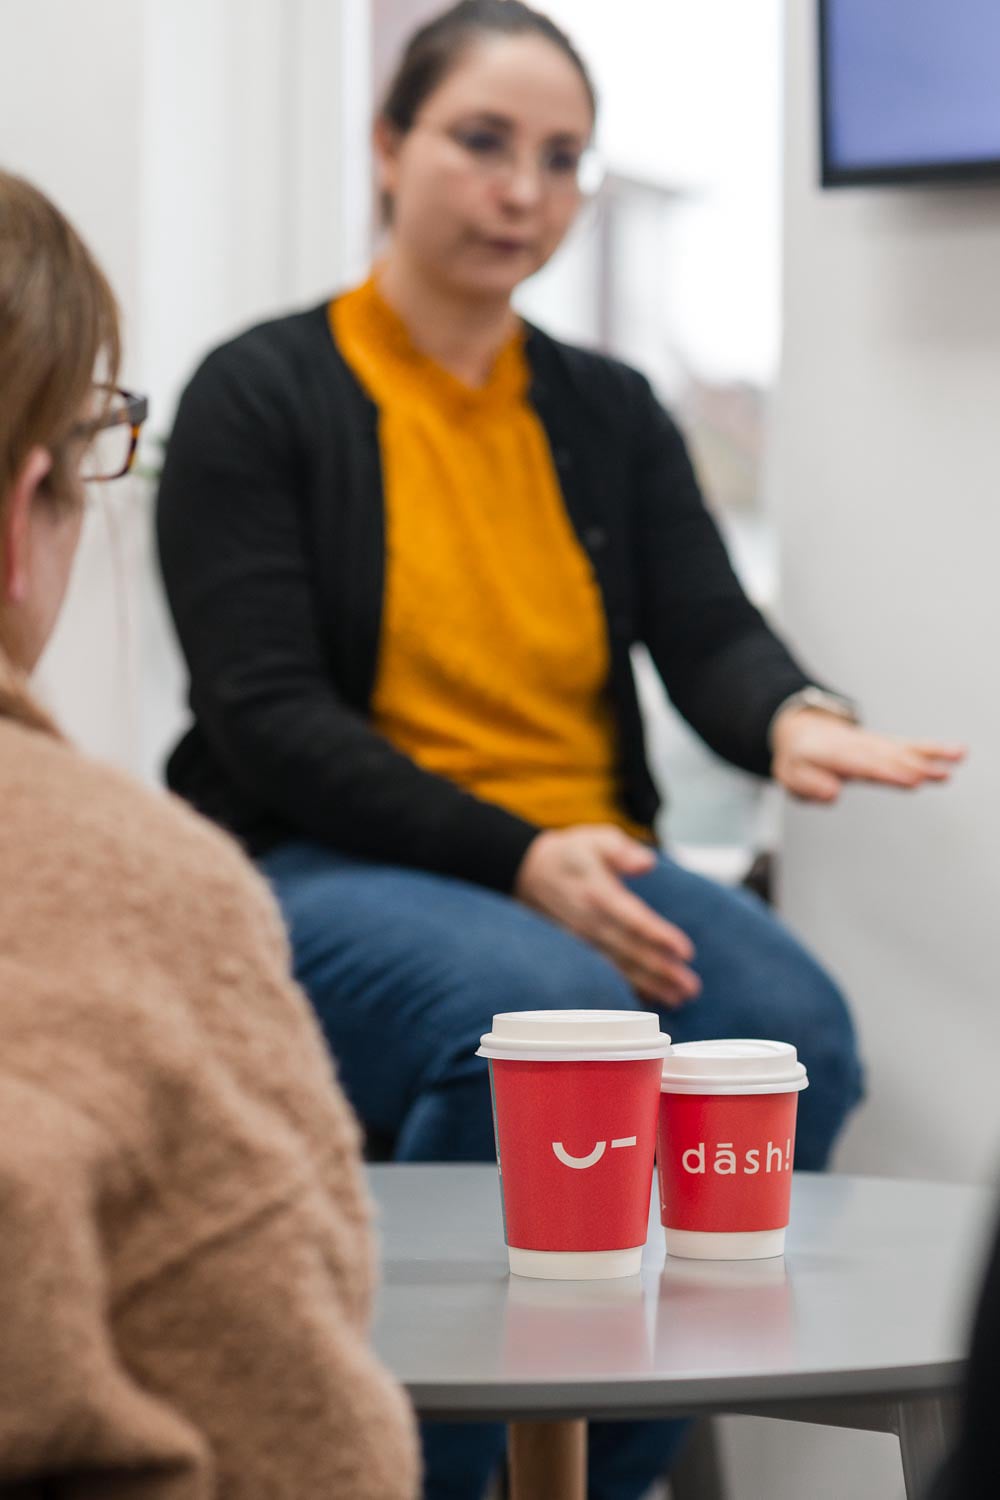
817, 697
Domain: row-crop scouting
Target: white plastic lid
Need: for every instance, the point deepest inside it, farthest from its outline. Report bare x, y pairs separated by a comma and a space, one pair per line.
569, 1035
739, 1065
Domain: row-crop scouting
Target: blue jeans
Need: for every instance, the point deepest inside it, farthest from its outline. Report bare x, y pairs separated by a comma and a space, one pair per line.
424, 961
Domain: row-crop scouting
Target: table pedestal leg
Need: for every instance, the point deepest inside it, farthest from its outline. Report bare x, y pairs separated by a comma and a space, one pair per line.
547, 1460
926, 1427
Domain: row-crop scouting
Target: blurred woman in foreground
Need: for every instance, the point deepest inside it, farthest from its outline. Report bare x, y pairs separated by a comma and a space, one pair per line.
185, 1262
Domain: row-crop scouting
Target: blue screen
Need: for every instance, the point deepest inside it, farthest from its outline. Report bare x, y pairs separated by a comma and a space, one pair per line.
912, 83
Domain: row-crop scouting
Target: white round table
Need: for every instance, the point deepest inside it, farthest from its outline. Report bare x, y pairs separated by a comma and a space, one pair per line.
863, 1323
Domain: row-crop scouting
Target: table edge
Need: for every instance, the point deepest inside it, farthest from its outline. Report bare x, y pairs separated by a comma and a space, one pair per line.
652, 1397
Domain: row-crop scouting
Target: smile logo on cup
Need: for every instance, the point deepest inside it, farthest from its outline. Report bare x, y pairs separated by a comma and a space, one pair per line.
580, 1163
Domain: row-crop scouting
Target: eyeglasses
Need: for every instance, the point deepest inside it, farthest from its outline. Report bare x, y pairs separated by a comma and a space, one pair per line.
493, 154
112, 438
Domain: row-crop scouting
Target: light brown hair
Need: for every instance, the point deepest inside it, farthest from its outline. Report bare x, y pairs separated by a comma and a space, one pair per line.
58, 317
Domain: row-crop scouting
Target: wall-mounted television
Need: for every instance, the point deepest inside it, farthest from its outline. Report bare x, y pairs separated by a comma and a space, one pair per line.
909, 90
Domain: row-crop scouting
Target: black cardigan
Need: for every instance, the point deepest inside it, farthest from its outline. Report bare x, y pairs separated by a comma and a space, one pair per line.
270, 526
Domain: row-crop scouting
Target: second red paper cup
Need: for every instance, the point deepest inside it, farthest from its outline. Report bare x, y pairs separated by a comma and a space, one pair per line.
726, 1144
575, 1099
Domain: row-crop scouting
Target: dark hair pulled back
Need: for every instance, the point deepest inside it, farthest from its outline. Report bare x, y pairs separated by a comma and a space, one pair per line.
436, 48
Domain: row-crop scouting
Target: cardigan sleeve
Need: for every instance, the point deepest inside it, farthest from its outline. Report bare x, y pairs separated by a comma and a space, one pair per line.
722, 665
240, 585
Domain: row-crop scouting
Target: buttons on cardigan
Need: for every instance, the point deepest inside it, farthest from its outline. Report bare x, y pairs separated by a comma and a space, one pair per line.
563, 459
595, 538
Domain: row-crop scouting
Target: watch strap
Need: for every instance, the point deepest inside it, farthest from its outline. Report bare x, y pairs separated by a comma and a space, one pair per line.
818, 698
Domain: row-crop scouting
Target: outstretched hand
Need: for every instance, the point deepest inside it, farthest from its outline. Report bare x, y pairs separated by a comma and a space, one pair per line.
816, 754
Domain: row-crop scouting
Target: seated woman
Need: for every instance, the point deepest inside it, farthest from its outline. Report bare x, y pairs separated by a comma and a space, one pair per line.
185, 1262
408, 542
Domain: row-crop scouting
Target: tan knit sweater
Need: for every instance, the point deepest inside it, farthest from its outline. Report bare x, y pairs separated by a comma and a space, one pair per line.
185, 1249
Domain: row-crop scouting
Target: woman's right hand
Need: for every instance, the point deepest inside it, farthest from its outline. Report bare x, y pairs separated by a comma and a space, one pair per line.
573, 876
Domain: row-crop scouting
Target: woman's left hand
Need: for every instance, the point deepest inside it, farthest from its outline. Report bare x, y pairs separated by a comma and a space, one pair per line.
816, 753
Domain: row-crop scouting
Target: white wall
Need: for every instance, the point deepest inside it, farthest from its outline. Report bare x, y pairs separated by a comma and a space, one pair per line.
205, 148
887, 477
71, 89
244, 165
689, 95
887, 471
250, 124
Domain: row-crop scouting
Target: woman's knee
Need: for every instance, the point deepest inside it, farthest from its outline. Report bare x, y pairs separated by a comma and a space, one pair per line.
583, 979
450, 1115
562, 974
759, 980
829, 1045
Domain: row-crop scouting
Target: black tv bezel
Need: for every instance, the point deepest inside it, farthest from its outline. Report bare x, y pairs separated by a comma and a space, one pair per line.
970, 170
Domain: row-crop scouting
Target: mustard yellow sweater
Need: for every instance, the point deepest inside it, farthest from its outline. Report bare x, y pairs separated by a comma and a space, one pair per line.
493, 658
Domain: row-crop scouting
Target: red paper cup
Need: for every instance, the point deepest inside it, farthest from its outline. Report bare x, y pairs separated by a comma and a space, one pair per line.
725, 1147
575, 1097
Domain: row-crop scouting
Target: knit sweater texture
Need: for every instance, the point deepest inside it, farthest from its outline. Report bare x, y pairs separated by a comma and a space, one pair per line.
186, 1248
